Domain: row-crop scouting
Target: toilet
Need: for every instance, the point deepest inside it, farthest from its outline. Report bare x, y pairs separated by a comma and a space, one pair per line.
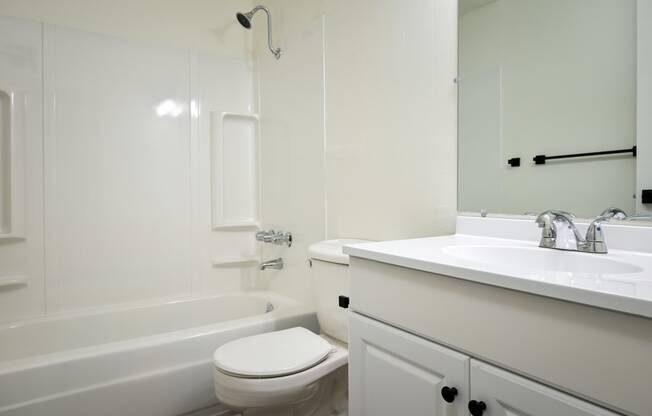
294, 372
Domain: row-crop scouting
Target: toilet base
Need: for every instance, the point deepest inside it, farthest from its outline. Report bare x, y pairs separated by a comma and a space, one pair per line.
328, 397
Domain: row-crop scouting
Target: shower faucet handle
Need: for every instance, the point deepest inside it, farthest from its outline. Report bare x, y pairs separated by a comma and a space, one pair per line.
275, 237
281, 238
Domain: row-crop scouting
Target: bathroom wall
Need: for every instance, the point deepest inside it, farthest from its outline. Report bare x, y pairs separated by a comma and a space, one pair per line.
118, 188
119, 184
359, 125
21, 168
203, 25
292, 124
644, 106
576, 104
391, 108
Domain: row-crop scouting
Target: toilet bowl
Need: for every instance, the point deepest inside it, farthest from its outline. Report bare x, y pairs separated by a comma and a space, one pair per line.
294, 371
295, 382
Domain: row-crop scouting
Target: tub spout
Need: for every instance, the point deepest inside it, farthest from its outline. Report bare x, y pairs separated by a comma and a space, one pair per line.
272, 264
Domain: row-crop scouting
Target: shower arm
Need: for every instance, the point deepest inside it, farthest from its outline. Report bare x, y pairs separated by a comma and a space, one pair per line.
272, 49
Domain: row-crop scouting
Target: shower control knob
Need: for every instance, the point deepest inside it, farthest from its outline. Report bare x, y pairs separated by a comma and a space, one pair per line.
477, 408
448, 394
275, 237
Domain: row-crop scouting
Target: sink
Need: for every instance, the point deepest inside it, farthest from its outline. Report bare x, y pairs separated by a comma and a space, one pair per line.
541, 259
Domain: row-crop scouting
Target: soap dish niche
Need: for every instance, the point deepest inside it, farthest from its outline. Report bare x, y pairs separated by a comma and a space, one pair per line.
235, 170
12, 166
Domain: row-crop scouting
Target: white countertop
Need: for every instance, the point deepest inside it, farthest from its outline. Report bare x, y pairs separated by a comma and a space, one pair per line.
599, 286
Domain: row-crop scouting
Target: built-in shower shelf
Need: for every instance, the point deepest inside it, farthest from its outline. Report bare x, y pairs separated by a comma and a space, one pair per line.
7, 282
235, 170
12, 237
12, 167
236, 262
237, 225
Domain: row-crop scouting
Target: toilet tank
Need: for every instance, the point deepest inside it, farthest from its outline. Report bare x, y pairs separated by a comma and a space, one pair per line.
330, 278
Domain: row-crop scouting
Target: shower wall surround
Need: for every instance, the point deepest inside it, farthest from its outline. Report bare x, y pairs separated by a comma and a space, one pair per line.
118, 176
357, 138
359, 124
21, 73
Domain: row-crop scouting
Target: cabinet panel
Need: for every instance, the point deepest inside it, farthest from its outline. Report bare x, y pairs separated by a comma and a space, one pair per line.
564, 344
395, 373
506, 394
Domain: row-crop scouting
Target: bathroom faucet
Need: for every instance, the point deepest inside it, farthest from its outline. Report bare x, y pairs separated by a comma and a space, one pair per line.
615, 213
559, 231
276, 264
275, 237
595, 236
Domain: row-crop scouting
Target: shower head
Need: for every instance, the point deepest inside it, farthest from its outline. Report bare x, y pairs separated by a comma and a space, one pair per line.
245, 20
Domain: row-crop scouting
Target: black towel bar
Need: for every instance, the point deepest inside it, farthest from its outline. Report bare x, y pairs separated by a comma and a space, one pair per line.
541, 159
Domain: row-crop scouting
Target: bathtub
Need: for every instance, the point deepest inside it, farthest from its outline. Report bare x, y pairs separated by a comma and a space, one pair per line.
152, 359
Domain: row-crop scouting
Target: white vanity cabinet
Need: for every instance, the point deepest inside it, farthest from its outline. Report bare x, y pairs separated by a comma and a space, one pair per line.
393, 372
506, 394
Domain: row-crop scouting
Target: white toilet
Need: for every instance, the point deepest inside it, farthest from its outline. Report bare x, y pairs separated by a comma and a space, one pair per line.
294, 371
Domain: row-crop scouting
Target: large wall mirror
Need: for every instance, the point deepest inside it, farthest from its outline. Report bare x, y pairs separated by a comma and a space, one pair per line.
543, 83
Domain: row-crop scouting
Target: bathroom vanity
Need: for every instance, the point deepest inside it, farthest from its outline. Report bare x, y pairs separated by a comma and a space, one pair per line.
485, 322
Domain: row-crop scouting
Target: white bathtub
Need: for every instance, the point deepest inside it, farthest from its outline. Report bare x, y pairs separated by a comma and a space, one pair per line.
147, 360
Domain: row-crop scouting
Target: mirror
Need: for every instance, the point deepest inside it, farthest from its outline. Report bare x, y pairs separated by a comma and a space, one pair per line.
548, 80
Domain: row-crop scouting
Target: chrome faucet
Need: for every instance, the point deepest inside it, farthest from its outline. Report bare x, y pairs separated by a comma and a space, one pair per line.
275, 237
615, 213
559, 231
276, 264
618, 214
594, 234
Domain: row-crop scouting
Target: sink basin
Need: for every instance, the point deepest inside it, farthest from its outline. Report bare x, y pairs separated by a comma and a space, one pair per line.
541, 259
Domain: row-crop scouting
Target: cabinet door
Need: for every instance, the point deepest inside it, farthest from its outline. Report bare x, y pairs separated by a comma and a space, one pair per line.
506, 394
392, 372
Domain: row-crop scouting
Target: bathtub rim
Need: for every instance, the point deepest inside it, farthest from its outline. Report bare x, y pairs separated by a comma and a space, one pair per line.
124, 307
284, 307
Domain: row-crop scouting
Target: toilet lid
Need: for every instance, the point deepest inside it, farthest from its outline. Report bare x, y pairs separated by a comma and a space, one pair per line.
272, 354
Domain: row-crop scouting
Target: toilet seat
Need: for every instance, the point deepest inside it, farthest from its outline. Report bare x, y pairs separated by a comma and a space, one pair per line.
272, 354
250, 392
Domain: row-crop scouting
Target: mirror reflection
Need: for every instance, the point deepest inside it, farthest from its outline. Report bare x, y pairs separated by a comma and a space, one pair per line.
547, 106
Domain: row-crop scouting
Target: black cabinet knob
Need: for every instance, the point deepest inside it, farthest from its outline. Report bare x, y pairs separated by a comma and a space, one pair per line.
448, 394
477, 408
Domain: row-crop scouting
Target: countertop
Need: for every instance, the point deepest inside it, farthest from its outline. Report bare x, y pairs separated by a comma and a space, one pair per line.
629, 292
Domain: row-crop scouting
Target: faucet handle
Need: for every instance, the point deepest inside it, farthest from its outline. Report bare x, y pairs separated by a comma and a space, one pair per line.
595, 242
553, 214
546, 220
568, 216
594, 233
615, 213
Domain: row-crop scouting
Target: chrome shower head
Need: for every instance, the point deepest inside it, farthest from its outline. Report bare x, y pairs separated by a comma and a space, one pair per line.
245, 20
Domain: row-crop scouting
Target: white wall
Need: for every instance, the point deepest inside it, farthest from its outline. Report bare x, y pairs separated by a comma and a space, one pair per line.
358, 141
391, 136
292, 115
21, 71
547, 77
644, 95
204, 25
127, 189
359, 124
